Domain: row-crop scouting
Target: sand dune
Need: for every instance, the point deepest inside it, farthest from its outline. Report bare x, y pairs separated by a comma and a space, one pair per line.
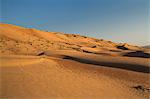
19, 40
37, 64
45, 77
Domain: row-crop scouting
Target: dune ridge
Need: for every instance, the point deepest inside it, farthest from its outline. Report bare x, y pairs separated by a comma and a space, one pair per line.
13, 38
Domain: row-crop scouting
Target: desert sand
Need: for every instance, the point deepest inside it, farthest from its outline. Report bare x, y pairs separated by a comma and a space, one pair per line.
37, 64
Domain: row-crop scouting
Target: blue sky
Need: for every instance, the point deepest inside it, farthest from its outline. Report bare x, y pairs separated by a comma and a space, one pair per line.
115, 20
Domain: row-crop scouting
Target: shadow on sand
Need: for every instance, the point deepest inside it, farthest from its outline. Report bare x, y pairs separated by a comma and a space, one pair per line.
127, 66
138, 54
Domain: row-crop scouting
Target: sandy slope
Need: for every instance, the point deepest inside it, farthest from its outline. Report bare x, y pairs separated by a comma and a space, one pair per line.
49, 77
39, 64
19, 40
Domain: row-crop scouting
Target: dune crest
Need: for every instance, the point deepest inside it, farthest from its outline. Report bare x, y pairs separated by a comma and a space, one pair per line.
19, 40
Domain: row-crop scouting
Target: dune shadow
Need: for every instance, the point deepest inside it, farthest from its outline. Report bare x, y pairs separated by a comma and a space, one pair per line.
122, 47
138, 54
126, 66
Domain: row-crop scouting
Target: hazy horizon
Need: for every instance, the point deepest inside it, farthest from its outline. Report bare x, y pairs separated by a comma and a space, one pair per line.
115, 20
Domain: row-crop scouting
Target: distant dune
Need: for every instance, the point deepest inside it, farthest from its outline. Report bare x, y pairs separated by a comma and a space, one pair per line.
37, 64
148, 46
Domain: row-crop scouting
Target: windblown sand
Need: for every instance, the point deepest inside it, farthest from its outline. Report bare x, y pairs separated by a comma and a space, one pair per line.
45, 65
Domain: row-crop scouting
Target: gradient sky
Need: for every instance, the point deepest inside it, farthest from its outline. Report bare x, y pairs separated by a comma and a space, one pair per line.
115, 20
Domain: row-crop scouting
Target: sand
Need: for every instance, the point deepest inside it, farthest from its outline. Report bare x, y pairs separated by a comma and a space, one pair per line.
36, 64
